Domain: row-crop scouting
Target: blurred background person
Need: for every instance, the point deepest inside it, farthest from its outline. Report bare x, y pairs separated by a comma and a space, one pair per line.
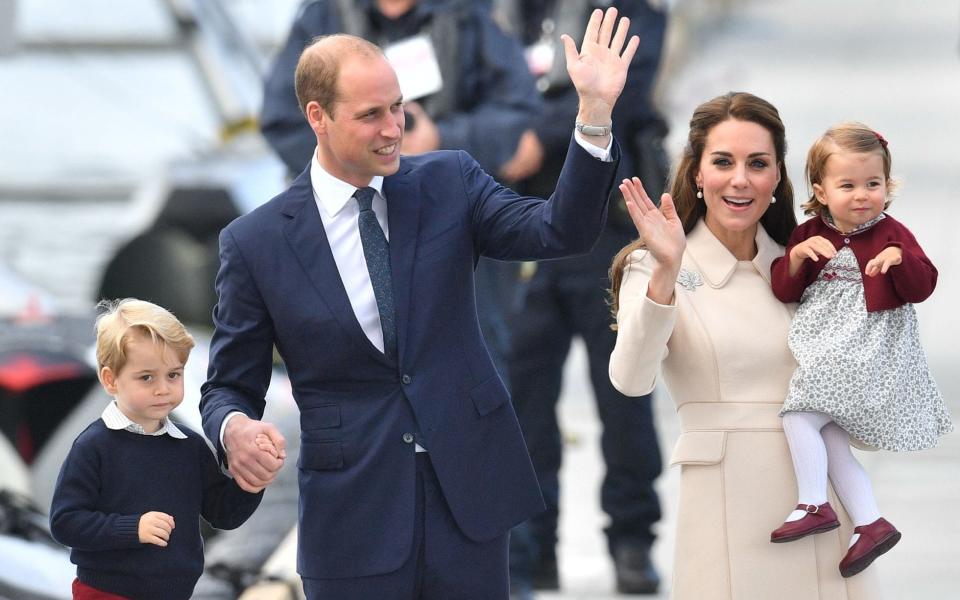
561, 299
466, 87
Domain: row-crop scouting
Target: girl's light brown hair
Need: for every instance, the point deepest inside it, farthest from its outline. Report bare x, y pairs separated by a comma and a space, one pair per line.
779, 220
116, 320
852, 137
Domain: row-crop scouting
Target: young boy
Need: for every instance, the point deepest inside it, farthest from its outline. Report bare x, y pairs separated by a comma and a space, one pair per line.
134, 484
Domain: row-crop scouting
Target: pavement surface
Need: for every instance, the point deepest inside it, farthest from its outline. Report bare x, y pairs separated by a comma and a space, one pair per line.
895, 66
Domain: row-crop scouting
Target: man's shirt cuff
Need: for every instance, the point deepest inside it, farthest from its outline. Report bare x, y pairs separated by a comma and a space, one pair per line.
595, 151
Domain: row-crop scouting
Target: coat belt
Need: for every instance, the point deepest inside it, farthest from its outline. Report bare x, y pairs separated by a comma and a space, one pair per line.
730, 416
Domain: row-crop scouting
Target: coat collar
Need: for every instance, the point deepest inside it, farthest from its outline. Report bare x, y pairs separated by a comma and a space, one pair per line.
717, 264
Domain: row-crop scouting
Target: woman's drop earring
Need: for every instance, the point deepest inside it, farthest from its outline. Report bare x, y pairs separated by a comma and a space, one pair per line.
699, 193
773, 199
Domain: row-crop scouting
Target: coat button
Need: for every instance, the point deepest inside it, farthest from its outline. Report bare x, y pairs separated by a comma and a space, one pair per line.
406, 379
846, 240
408, 438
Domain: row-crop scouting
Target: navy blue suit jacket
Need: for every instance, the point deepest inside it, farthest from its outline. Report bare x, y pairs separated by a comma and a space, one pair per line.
278, 284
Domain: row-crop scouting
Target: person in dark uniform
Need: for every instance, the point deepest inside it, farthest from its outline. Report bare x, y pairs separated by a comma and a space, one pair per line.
567, 298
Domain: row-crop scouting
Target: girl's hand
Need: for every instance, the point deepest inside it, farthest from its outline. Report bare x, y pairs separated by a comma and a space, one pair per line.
660, 229
155, 528
881, 263
811, 248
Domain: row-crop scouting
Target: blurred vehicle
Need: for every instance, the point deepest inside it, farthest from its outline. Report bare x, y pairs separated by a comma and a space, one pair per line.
43, 376
43, 369
161, 151
173, 260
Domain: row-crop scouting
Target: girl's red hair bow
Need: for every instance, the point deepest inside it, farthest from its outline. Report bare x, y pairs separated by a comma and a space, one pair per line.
880, 138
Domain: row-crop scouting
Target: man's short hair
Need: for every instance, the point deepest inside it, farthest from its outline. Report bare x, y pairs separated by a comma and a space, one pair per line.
318, 69
118, 318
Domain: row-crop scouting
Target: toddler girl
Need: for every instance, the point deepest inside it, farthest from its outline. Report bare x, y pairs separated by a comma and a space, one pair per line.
861, 373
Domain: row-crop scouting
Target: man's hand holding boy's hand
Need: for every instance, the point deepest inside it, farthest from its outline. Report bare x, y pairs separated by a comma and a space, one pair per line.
253, 467
265, 444
155, 528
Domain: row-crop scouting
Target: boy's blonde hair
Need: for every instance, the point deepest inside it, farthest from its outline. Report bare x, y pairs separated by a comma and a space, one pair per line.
117, 318
849, 136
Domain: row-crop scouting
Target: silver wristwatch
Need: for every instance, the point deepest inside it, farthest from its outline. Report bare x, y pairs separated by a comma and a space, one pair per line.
593, 130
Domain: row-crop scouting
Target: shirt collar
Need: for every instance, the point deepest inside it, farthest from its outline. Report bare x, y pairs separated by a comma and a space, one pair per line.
828, 221
114, 419
332, 194
717, 264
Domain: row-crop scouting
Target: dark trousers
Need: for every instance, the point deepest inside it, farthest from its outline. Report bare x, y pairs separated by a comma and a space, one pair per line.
443, 563
565, 299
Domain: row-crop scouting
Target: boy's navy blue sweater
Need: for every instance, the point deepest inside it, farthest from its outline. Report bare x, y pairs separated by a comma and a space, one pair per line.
111, 478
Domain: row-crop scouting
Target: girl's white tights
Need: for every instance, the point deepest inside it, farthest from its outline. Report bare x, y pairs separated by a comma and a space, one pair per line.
821, 448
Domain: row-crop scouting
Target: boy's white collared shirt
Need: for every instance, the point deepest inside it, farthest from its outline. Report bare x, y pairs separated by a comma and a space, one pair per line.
114, 419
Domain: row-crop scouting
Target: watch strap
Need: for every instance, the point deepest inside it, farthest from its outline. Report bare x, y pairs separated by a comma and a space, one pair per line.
593, 130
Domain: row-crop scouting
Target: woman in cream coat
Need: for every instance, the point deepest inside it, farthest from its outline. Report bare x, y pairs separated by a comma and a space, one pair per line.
693, 298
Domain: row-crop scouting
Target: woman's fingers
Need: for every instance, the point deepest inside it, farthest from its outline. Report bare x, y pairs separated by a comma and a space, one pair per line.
668, 208
642, 194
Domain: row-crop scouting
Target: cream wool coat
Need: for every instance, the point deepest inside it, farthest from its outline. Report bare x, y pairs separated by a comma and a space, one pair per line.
723, 351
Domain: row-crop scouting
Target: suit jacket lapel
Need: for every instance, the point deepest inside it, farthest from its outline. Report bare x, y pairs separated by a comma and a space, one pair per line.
308, 241
403, 215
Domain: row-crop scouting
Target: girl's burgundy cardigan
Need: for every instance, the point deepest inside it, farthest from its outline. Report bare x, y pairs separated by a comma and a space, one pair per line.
912, 281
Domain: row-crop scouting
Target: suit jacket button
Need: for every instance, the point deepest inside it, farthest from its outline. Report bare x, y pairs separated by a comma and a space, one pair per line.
406, 379
408, 438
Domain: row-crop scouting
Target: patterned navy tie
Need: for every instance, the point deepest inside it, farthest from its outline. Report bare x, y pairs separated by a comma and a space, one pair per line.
376, 250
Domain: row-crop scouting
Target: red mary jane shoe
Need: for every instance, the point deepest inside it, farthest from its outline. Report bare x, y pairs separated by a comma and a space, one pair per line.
817, 520
875, 539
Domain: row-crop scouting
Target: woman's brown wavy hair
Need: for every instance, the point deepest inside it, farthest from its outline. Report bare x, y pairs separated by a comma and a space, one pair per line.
779, 221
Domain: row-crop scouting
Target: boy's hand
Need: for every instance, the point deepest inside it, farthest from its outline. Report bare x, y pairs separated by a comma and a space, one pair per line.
811, 248
265, 444
881, 263
155, 528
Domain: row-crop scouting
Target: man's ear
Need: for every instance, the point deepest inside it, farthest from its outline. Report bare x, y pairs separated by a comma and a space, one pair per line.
109, 380
316, 116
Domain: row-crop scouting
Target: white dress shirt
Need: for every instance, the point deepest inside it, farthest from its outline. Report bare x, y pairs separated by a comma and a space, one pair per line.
339, 213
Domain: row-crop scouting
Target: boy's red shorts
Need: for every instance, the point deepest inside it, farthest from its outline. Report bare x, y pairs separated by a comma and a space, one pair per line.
82, 591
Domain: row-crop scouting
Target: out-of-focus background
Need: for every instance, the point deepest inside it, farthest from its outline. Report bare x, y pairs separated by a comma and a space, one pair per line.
128, 137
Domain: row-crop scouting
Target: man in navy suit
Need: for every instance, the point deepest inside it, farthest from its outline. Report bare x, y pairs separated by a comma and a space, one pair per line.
412, 466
